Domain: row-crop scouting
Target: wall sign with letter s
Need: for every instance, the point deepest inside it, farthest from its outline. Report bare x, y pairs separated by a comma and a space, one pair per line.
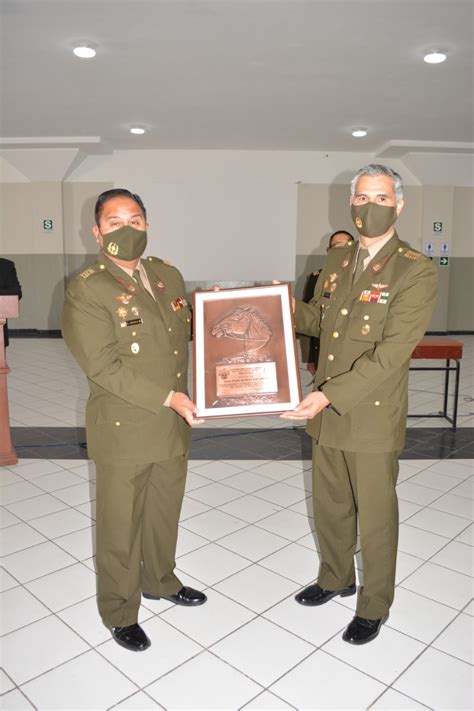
47, 225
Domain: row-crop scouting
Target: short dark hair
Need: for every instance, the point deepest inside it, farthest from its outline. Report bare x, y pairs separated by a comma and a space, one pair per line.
116, 192
341, 232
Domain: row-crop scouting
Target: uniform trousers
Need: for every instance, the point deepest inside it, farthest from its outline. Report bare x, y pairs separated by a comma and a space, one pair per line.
357, 485
138, 509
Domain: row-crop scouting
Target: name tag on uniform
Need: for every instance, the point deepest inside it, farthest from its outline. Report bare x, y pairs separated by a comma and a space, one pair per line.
376, 297
327, 294
131, 322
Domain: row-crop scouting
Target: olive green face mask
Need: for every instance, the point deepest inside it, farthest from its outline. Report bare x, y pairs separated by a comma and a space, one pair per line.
372, 220
126, 243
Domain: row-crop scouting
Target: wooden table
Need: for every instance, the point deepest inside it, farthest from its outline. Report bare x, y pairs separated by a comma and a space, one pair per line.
442, 348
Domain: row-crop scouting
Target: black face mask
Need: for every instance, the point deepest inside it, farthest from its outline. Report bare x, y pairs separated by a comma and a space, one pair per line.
126, 243
372, 220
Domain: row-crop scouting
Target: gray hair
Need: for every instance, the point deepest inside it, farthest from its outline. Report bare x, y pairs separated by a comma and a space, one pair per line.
377, 169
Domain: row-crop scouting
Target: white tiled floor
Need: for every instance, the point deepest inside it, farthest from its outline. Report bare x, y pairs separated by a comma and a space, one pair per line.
246, 538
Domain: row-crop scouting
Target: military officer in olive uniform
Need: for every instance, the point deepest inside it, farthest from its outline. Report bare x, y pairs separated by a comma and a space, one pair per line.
372, 304
127, 323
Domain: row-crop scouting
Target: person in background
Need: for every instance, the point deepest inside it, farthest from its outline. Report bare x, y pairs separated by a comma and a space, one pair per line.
310, 345
9, 286
127, 323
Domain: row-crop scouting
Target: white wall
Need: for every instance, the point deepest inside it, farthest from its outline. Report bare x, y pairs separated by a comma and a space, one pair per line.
224, 215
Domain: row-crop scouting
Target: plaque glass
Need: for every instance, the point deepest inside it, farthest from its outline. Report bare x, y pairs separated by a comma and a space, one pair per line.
245, 360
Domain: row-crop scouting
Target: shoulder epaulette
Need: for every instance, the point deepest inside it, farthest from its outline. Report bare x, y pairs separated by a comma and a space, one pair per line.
158, 260
88, 272
409, 253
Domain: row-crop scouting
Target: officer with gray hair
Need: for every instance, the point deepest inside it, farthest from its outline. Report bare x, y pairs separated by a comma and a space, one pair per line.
372, 304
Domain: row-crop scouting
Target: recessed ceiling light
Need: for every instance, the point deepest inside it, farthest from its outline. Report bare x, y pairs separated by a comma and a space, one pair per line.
434, 57
359, 132
137, 130
84, 50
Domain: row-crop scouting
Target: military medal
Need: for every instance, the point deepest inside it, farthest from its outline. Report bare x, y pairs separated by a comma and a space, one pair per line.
124, 298
365, 329
179, 303
332, 277
134, 311
380, 286
326, 284
333, 287
121, 312
135, 348
376, 297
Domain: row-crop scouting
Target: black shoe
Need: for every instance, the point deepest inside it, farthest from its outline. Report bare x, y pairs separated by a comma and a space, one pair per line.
316, 595
131, 637
186, 596
361, 630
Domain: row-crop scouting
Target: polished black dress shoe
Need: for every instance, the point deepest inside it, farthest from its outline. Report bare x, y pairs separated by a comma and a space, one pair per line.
131, 637
186, 596
361, 630
316, 595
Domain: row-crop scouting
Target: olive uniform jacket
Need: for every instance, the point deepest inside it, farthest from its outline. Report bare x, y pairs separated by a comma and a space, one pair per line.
133, 351
368, 331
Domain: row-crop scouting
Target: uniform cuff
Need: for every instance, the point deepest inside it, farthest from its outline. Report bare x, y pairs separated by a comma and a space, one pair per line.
167, 402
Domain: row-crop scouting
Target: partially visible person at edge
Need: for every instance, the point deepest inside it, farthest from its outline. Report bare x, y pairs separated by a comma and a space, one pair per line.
310, 345
127, 323
9, 286
372, 305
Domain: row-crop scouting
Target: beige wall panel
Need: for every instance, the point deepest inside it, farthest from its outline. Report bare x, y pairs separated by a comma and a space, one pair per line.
461, 294
16, 218
78, 205
46, 204
463, 222
42, 283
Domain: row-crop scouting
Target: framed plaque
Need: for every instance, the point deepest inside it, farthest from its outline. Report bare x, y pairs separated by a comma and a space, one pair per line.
245, 360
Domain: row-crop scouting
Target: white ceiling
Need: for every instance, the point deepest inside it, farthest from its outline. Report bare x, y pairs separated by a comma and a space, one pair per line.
246, 74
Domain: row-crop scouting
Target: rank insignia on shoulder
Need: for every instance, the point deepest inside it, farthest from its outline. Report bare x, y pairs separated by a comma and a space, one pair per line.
179, 303
410, 254
87, 273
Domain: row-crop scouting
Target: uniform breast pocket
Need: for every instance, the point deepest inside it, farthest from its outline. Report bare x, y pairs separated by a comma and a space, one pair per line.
366, 323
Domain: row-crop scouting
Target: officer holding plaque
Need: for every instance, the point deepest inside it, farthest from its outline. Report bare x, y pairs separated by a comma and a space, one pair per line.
127, 323
372, 304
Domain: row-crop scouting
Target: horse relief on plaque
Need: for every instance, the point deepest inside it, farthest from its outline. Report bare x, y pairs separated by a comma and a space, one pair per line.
244, 351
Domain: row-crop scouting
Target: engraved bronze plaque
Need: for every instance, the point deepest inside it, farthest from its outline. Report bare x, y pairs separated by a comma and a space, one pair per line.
244, 352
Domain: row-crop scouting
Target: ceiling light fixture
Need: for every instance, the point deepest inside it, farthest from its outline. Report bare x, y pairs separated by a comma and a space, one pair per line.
434, 56
137, 130
84, 50
359, 132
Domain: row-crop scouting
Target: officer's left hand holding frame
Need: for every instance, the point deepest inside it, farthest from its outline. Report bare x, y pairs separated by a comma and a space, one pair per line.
245, 359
